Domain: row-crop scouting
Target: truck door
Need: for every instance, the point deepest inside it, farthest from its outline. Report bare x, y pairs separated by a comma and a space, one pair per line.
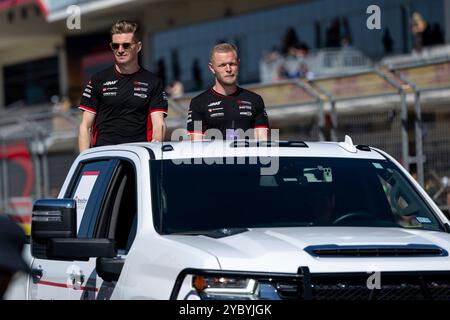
58, 279
117, 219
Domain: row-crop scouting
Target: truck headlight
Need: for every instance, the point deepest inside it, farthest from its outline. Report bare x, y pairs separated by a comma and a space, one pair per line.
212, 287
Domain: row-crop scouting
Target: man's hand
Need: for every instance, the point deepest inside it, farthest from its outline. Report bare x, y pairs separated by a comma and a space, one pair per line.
158, 126
84, 133
196, 136
261, 134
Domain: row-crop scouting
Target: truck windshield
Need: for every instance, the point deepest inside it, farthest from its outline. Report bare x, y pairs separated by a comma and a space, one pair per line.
189, 198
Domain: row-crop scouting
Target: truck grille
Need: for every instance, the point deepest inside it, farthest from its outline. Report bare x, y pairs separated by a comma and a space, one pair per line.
354, 287
410, 250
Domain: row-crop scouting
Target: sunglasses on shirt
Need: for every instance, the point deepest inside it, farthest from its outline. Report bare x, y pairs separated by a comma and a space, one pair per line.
126, 45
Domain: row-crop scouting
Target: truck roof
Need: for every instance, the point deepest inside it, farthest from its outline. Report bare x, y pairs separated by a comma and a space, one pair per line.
251, 148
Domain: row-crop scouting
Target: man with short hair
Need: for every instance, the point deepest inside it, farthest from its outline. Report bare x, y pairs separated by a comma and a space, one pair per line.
226, 106
12, 240
124, 103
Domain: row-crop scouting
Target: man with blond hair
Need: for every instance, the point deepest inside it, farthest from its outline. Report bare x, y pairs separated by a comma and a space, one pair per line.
226, 106
123, 103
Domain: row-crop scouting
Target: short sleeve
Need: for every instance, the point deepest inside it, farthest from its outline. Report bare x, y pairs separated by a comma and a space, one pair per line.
195, 119
90, 99
261, 118
158, 99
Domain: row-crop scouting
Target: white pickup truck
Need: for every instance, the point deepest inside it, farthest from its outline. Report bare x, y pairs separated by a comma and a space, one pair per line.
237, 220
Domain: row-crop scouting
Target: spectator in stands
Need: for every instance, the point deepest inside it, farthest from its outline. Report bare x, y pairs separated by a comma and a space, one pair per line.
269, 66
175, 89
161, 71
290, 68
421, 32
176, 69
197, 75
388, 42
294, 65
346, 32
436, 34
333, 34
12, 241
289, 40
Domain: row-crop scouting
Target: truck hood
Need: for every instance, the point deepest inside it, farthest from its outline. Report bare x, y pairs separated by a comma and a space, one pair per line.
282, 249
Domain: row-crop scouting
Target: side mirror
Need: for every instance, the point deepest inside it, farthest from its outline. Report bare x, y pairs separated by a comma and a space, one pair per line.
52, 218
80, 249
54, 234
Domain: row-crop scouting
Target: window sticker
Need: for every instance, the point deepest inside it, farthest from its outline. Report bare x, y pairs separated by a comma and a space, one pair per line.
377, 165
83, 192
423, 220
318, 174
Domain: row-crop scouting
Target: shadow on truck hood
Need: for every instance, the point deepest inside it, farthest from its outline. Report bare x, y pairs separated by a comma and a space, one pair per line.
283, 249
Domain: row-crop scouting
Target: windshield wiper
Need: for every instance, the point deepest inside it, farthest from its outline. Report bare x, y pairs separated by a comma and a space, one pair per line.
213, 233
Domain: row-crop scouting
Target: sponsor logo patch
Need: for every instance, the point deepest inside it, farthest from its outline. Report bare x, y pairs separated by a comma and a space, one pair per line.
109, 88
87, 95
137, 83
220, 114
212, 104
140, 89
244, 102
245, 107
140, 95
246, 114
214, 109
113, 93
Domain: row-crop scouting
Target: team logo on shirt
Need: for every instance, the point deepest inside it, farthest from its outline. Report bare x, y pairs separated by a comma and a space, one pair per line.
110, 83
137, 83
140, 95
214, 109
109, 88
140, 89
212, 104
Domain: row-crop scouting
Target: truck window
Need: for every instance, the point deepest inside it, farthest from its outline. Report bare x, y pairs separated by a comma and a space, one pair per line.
303, 192
118, 217
88, 189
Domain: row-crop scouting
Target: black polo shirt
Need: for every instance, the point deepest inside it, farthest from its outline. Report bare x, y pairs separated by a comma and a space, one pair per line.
122, 104
241, 110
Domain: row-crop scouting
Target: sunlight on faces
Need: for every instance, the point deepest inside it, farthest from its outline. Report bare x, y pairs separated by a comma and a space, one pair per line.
225, 66
123, 56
